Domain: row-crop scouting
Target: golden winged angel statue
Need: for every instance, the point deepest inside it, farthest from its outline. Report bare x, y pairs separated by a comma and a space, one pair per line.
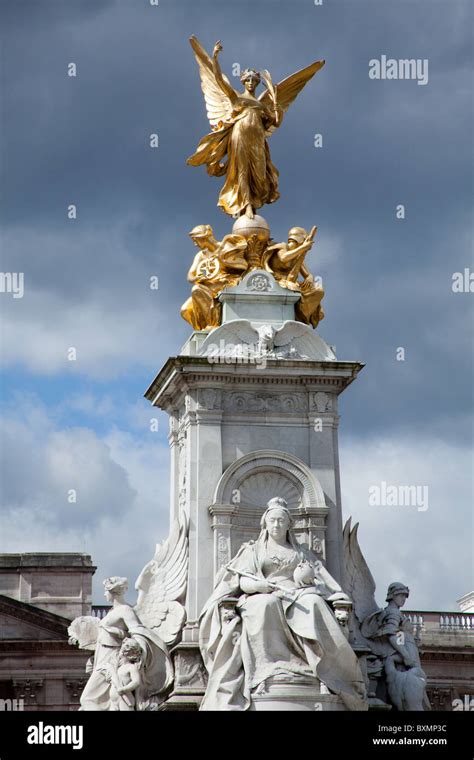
237, 146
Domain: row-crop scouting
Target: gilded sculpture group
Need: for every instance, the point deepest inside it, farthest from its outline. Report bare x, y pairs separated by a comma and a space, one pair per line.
220, 265
237, 148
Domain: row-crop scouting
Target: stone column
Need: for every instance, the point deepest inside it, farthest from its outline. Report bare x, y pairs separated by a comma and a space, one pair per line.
174, 468
324, 462
204, 460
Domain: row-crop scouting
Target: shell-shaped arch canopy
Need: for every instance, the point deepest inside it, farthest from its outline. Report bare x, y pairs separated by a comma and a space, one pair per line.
261, 475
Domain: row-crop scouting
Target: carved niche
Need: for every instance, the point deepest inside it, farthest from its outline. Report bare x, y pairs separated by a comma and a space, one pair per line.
244, 490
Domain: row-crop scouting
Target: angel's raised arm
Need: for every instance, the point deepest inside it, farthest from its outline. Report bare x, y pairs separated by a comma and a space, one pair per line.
218, 91
221, 80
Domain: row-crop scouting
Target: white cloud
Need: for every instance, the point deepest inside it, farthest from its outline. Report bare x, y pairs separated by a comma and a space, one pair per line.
105, 341
88, 291
107, 408
431, 551
122, 492
66, 476
122, 509
327, 250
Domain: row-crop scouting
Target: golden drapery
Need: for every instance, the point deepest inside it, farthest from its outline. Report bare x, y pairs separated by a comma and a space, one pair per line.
251, 177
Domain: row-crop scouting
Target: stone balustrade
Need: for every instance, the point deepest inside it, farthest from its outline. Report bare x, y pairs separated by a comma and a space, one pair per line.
439, 622
450, 622
100, 610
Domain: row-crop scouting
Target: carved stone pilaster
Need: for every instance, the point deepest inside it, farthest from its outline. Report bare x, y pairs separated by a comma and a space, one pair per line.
190, 673
173, 429
190, 678
317, 545
222, 526
223, 547
182, 469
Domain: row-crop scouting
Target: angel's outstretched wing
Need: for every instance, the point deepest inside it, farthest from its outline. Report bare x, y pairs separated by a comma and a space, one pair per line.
218, 103
288, 89
162, 585
358, 580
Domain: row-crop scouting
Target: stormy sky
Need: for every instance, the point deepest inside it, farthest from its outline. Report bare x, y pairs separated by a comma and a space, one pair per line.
85, 140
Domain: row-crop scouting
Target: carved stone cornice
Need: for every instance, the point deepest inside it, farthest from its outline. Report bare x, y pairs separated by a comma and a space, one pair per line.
180, 373
30, 646
32, 615
454, 655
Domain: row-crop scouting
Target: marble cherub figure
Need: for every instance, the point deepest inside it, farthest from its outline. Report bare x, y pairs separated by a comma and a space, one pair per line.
126, 678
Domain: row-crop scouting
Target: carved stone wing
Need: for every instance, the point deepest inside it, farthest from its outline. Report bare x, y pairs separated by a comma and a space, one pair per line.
305, 342
294, 334
243, 331
218, 104
288, 89
358, 580
232, 333
162, 585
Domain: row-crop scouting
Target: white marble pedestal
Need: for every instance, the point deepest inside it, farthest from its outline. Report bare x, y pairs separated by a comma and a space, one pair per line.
302, 695
254, 418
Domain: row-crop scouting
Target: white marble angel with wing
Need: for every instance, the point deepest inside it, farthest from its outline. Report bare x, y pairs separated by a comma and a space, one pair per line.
237, 147
394, 670
132, 667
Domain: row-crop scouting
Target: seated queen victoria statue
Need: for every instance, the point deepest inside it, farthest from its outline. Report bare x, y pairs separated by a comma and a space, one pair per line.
270, 616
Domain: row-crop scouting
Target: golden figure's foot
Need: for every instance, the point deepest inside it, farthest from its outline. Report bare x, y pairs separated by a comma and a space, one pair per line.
249, 211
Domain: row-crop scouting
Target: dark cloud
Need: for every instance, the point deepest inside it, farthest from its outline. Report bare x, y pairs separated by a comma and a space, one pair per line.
84, 140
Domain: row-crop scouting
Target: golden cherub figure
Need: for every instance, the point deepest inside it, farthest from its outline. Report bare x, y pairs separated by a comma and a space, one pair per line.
237, 147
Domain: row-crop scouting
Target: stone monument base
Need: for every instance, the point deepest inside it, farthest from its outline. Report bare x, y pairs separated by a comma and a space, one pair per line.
299, 694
